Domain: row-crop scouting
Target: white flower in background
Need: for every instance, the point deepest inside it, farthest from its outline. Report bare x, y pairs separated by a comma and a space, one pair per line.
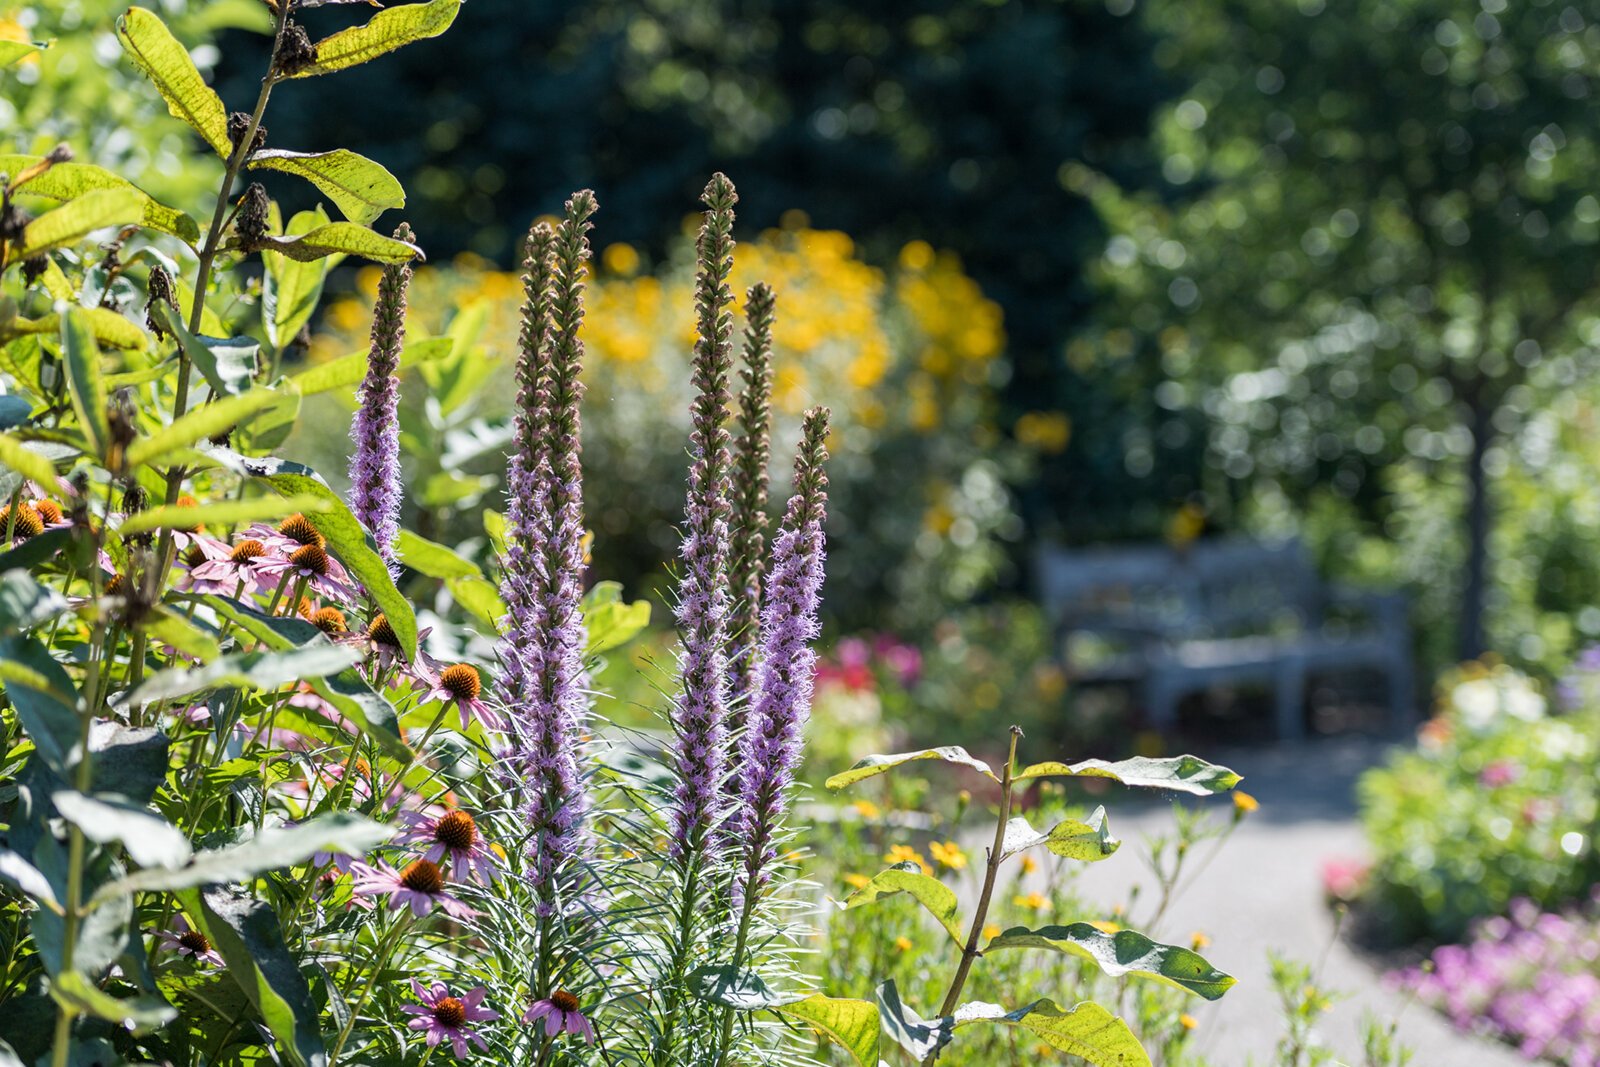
1483, 703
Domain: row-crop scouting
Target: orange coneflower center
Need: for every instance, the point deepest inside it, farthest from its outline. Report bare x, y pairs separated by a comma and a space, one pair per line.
245, 551
28, 522
187, 501
564, 1000
381, 632
456, 830
299, 528
48, 510
422, 876
461, 681
113, 585
329, 620
194, 941
450, 1012
311, 558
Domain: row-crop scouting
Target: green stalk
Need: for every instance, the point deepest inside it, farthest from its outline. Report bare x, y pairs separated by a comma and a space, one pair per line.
390, 942
681, 949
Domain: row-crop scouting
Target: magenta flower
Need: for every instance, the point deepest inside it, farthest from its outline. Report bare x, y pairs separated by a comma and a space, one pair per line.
420, 886
443, 1016
1499, 773
454, 832
461, 685
187, 941
375, 461
223, 568
561, 1016
324, 576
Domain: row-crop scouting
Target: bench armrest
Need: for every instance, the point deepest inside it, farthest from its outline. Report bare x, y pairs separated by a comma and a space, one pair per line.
1388, 608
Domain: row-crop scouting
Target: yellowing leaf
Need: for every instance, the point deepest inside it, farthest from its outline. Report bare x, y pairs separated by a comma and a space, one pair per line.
851, 1023
1124, 952
68, 181
342, 237
360, 188
388, 30
938, 898
162, 59
77, 218
209, 421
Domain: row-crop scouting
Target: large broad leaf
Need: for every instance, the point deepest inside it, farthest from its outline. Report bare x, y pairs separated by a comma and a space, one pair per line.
130, 761
76, 993
938, 898
45, 700
19, 873
479, 596
1088, 841
108, 327
11, 51
201, 423
151, 841
228, 363
1087, 1031
360, 188
160, 57
78, 218
875, 764
1186, 774
342, 238
248, 670
221, 513
1125, 952
347, 371
27, 462
82, 358
248, 937
183, 635
273, 849
918, 1036
388, 30
24, 603
350, 541
853, 1024
68, 181
611, 621
290, 288
433, 559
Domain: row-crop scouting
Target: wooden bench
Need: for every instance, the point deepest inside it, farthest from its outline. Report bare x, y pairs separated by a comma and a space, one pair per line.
1222, 612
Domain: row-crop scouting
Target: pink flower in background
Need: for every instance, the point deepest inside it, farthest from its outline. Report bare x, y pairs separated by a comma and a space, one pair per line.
1499, 773
420, 886
1343, 877
185, 940
450, 831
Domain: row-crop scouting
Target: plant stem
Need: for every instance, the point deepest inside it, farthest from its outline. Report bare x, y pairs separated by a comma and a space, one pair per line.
390, 941
996, 856
680, 954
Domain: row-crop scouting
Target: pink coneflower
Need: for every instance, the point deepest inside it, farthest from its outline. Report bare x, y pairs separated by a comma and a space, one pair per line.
379, 640
323, 574
420, 885
455, 832
217, 567
443, 1016
292, 533
561, 1015
185, 940
461, 684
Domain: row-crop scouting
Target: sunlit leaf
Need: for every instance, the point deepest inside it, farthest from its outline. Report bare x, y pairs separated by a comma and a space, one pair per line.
342, 238
11, 51
25, 603
388, 30
247, 670
210, 421
151, 840
228, 363
291, 288
433, 559
184, 635
907, 878
874, 765
1124, 952
1087, 1031
740, 990
27, 462
853, 1024
159, 56
1186, 774
78, 218
68, 181
108, 328
918, 1036
76, 993
81, 356
611, 621
360, 188
1088, 841
347, 371
221, 513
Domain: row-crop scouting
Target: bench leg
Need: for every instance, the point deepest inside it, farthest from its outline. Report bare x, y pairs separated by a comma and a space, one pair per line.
1402, 697
1289, 690
1161, 702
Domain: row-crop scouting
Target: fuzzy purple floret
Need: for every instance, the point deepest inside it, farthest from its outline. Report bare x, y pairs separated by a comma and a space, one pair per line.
375, 462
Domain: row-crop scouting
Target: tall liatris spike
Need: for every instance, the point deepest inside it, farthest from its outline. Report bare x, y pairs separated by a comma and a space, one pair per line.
375, 463
548, 642
781, 701
752, 451
703, 598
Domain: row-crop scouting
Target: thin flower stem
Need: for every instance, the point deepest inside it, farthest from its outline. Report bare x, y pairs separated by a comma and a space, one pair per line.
996, 856
391, 940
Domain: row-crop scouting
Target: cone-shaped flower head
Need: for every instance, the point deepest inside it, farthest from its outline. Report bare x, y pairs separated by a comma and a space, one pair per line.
752, 452
375, 463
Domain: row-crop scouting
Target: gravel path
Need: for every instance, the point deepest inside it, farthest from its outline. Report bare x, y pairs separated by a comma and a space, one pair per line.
1265, 892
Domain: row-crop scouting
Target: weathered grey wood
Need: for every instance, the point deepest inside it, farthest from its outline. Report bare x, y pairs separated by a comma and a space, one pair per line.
1224, 612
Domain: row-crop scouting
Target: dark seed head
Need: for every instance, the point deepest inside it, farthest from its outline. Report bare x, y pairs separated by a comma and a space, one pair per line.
450, 1012
564, 1000
423, 876
299, 528
26, 523
247, 550
380, 631
194, 941
462, 681
329, 620
296, 53
311, 558
456, 830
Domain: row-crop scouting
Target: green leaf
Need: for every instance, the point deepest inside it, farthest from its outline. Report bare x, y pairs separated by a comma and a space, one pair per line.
18, 872
291, 289
273, 849
169, 628
11, 51
45, 700
68, 181
248, 670
609, 620
78, 218
480, 597
433, 559
221, 513
874, 765
347, 371
273, 424
108, 327
918, 1036
360, 188
1186, 774
1125, 952
24, 603
151, 841
249, 938
851, 1023
201, 423
1088, 1031
388, 30
228, 363
77, 994
28, 463
354, 546
1089, 841
342, 238
160, 57
82, 358
938, 898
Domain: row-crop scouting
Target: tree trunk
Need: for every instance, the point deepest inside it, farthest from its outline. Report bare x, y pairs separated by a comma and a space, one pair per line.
1474, 590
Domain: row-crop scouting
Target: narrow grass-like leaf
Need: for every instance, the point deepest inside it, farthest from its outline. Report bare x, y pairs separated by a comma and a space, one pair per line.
159, 56
82, 358
348, 370
388, 30
359, 187
876, 764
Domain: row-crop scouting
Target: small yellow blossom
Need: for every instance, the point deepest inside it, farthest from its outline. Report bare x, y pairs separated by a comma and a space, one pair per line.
907, 854
1106, 926
867, 809
903, 944
1029, 865
990, 932
1244, 803
1199, 940
1032, 901
856, 881
948, 854
1187, 1021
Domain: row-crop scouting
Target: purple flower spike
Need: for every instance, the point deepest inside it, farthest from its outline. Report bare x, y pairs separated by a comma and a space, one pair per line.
781, 700
375, 464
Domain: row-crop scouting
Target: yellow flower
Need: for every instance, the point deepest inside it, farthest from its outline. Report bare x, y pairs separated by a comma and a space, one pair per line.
866, 809
1032, 901
1199, 940
1187, 1021
1029, 865
907, 854
620, 259
903, 944
856, 881
1106, 926
990, 932
1244, 803
949, 854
